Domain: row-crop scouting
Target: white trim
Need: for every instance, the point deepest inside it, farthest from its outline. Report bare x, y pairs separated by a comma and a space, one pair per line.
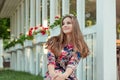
65, 7
38, 13
52, 10
106, 40
27, 23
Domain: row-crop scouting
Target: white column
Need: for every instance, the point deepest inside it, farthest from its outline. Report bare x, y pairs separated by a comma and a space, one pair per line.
11, 62
44, 10
18, 21
27, 24
15, 24
23, 60
65, 7
22, 17
27, 16
32, 13
81, 13
27, 59
52, 10
38, 12
19, 52
38, 20
44, 60
106, 40
1, 53
44, 17
14, 61
37, 59
32, 24
80, 17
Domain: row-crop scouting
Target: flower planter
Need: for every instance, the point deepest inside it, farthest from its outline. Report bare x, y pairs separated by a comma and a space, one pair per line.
12, 49
39, 38
28, 43
18, 46
7, 50
55, 31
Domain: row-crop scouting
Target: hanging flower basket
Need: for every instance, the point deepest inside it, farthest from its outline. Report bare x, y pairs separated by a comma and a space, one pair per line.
28, 43
40, 38
55, 31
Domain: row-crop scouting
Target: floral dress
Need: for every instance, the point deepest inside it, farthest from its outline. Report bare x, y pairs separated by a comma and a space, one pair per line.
65, 60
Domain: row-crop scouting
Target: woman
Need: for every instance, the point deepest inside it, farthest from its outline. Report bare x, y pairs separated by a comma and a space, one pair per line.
65, 51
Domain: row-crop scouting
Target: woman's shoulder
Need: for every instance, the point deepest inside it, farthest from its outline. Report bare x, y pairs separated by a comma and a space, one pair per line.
52, 41
54, 38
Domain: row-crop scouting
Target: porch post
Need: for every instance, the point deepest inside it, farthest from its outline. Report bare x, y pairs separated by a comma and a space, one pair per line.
14, 60
27, 24
65, 7
32, 24
44, 17
19, 53
18, 21
22, 31
38, 21
80, 16
106, 40
52, 10
27, 19
1, 53
18, 32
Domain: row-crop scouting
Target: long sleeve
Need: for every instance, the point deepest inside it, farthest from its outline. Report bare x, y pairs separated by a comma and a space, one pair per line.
51, 58
74, 60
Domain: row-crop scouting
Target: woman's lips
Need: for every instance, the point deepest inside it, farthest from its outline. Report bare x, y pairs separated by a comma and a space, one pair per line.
66, 29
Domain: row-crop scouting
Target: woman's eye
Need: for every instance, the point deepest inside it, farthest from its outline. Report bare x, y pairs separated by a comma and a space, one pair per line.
68, 22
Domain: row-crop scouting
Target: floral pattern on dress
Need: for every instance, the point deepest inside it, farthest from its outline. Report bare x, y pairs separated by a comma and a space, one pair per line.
67, 59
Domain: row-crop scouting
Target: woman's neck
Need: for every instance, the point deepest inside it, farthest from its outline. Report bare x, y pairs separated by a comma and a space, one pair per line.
68, 38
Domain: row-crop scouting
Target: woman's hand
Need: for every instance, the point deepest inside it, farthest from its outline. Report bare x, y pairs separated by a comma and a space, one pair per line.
60, 76
53, 75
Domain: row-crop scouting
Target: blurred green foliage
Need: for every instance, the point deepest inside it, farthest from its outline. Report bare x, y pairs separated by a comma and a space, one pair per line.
5, 28
6, 74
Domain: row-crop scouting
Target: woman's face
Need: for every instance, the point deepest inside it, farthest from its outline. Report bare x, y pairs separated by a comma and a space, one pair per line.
67, 25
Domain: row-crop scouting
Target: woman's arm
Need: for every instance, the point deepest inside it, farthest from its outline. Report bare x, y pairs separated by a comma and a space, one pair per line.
51, 70
72, 64
51, 63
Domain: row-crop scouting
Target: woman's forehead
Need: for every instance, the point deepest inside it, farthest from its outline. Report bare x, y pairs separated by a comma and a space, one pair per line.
67, 19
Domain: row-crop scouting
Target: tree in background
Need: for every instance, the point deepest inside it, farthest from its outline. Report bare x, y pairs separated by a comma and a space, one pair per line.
4, 28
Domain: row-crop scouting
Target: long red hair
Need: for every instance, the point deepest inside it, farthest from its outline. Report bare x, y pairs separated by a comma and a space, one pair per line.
56, 43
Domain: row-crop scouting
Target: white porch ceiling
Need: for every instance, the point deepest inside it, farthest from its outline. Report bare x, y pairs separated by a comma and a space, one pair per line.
8, 8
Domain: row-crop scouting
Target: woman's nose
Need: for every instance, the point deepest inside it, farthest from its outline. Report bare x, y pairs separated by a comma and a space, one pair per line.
65, 25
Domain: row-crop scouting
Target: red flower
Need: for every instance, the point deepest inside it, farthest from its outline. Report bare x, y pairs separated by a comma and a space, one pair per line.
30, 33
43, 32
46, 28
43, 29
35, 27
57, 17
31, 28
